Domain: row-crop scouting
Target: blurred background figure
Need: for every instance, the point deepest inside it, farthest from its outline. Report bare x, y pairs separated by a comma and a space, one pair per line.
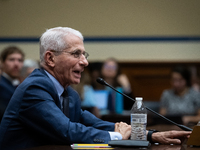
110, 72
97, 98
0, 67
87, 88
28, 66
11, 64
195, 78
181, 100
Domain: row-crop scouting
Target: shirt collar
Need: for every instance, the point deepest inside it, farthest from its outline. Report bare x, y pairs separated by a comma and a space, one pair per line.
14, 82
57, 85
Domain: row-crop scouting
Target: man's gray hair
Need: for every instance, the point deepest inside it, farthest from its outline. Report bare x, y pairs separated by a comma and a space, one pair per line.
55, 39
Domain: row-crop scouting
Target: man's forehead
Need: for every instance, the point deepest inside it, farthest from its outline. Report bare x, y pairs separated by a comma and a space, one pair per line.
14, 55
75, 41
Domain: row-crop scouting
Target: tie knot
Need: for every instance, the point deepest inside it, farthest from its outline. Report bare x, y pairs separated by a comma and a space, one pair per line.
64, 94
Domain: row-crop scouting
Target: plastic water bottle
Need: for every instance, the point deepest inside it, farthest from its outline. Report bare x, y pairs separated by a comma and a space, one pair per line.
198, 124
138, 120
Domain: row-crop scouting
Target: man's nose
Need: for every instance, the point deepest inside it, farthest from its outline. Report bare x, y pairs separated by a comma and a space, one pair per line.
84, 61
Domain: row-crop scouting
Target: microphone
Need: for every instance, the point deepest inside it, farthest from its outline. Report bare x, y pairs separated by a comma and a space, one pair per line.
101, 81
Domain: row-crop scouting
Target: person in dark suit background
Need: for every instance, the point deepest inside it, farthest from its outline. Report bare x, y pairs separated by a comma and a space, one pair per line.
11, 62
28, 66
37, 114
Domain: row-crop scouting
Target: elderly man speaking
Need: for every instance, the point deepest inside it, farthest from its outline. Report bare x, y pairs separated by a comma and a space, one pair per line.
45, 110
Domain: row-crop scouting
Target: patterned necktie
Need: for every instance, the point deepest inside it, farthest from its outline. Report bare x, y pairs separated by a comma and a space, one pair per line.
65, 103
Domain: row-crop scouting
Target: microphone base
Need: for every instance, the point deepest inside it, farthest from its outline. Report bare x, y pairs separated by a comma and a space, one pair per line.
129, 143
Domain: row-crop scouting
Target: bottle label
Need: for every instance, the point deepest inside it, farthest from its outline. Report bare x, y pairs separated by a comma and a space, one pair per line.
139, 118
138, 125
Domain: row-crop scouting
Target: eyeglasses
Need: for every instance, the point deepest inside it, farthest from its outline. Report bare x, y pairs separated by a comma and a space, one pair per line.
76, 53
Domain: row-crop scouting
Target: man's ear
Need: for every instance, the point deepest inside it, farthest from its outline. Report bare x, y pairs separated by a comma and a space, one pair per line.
49, 59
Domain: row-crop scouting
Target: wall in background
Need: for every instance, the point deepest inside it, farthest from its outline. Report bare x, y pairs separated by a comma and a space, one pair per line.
141, 30
118, 19
129, 51
101, 18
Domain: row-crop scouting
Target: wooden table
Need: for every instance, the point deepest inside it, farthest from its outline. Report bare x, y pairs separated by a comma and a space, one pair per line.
152, 147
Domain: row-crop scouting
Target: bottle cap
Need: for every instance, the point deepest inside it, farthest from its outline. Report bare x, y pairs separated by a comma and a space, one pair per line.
139, 98
198, 124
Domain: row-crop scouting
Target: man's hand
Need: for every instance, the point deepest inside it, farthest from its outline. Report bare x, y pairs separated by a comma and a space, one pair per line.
170, 137
124, 129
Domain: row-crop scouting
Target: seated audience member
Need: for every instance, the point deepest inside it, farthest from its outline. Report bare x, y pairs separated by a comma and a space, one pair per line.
95, 72
86, 92
181, 99
28, 67
11, 64
45, 110
195, 78
111, 74
90, 89
0, 67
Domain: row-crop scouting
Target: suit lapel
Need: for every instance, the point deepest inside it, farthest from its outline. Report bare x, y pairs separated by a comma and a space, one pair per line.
57, 100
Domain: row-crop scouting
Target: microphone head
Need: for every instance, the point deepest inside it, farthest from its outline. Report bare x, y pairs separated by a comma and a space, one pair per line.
101, 81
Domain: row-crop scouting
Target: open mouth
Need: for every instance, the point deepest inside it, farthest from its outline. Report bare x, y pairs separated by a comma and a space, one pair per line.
77, 73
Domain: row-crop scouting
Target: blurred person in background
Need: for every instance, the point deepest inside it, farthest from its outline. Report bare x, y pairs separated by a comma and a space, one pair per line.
195, 78
110, 72
95, 72
90, 88
181, 100
0, 67
97, 98
86, 92
11, 64
28, 67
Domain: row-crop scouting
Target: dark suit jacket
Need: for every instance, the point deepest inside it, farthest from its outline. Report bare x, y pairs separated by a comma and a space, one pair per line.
6, 92
34, 118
